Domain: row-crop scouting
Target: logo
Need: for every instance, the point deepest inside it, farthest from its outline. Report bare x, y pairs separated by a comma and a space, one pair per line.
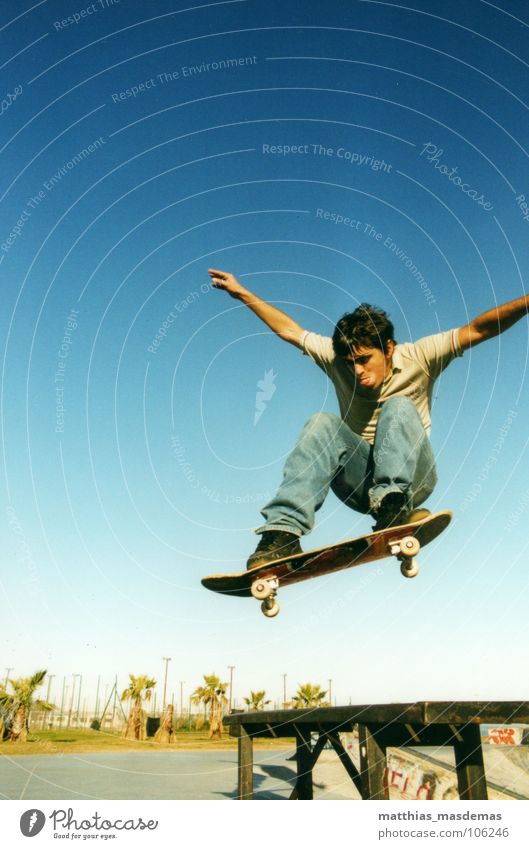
32, 822
266, 388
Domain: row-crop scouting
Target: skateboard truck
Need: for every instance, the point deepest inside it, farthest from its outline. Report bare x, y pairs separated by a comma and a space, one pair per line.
403, 542
265, 589
405, 550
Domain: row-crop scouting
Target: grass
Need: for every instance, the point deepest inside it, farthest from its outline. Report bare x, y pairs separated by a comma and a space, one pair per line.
64, 741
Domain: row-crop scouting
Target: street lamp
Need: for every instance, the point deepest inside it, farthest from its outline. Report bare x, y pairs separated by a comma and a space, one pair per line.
231, 668
182, 698
62, 700
79, 698
50, 677
166, 659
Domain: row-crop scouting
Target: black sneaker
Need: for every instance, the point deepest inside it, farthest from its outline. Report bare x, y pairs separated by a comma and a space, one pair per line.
393, 510
273, 545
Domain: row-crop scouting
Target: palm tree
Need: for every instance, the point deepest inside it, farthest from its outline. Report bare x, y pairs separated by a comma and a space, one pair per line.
18, 704
165, 733
257, 700
309, 695
212, 693
138, 691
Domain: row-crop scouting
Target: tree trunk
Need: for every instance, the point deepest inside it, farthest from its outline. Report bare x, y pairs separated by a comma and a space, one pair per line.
165, 733
215, 721
18, 733
135, 726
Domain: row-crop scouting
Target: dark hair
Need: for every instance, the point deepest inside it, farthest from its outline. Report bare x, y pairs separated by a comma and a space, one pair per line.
367, 326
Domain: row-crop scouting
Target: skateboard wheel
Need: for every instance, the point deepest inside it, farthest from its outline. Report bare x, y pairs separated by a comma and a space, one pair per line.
261, 588
409, 568
270, 607
409, 546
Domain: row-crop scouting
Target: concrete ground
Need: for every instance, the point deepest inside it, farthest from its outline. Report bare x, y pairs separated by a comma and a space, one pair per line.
159, 775
205, 775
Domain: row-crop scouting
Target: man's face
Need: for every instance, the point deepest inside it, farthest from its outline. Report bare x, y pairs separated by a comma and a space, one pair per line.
370, 365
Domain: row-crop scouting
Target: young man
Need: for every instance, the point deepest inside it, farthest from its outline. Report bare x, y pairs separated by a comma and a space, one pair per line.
376, 456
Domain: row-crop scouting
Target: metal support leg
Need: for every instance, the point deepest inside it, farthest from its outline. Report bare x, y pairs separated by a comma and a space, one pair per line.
372, 764
346, 761
245, 769
304, 763
469, 764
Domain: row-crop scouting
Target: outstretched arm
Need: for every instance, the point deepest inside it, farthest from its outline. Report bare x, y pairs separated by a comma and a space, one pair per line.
281, 323
493, 322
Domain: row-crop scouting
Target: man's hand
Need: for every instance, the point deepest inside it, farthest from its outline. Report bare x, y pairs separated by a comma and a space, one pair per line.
226, 281
281, 323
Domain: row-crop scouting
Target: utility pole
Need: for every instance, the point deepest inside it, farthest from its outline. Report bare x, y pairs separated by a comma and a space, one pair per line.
48, 700
182, 698
166, 659
74, 676
96, 712
231, 668
79, 698
115, 700
8, 670
49, 687
62, 700
284, 690
330, 691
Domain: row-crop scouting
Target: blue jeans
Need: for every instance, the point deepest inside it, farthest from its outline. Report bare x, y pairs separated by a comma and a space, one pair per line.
329, 454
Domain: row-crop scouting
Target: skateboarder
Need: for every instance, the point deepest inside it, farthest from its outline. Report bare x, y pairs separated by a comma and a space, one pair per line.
376, 455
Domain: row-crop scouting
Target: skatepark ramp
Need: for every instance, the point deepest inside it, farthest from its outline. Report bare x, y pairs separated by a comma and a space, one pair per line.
379, 727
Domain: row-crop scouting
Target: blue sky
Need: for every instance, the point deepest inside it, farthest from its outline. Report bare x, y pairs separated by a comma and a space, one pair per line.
135, 157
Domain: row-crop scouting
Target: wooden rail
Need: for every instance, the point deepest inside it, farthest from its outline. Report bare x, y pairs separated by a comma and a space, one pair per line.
380, 727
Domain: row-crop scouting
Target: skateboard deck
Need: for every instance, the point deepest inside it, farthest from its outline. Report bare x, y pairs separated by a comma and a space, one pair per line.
262, 582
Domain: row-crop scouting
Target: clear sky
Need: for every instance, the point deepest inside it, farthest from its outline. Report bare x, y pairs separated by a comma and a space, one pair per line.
327, 154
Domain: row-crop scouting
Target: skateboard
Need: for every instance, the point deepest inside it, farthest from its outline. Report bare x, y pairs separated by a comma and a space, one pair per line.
262, 582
